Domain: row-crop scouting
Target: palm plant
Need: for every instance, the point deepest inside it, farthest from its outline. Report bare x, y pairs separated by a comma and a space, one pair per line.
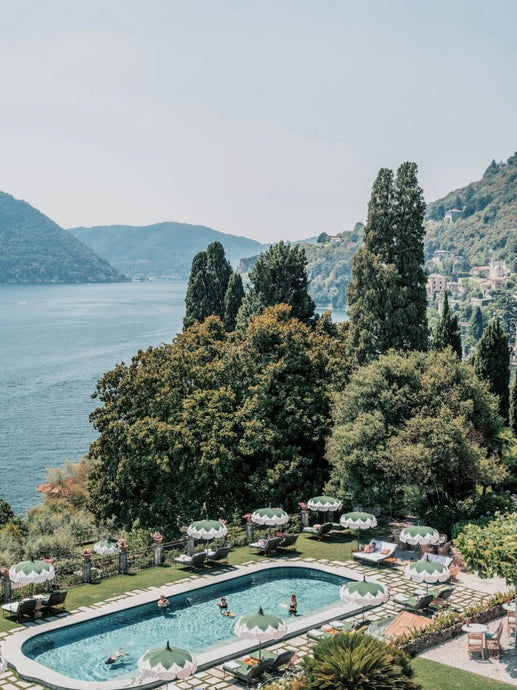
356, 661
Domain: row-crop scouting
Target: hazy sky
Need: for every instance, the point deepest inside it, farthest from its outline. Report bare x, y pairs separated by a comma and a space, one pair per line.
263, 118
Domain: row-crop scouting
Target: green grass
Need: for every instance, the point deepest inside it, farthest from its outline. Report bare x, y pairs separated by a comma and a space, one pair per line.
434, 676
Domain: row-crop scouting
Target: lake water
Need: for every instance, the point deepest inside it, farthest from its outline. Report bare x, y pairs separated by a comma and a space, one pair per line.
56, 341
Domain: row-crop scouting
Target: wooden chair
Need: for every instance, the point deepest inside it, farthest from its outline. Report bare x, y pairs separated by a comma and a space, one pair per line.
493, 641
510, 622
476, 643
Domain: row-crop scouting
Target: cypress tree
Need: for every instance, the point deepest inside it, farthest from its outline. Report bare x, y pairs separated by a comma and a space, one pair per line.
492, 363
476, 324
279, 276
513, 405
207, 285
386, 296
448, 331
232, 301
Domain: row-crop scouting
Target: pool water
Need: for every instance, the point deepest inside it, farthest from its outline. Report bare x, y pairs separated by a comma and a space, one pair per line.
192, 621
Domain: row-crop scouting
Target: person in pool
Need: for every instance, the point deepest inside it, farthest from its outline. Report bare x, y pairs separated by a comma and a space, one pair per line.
293, 605
118, 654
223, 604
163, 602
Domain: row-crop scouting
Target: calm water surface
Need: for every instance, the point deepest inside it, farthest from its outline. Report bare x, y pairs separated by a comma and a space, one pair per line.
56, 341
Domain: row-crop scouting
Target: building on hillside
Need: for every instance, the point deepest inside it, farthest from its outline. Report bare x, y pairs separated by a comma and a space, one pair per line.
480, 271
498, 269
453, 214
435, 283
454, 287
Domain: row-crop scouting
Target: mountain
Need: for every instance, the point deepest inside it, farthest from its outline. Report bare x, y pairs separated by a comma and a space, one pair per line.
34, 249
487, 220
164, 249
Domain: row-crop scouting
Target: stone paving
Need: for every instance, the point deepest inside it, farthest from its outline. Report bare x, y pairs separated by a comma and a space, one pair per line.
214, 678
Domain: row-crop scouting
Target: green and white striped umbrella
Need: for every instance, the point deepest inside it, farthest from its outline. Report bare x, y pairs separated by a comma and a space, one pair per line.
358, 520
365, 593
106, 546
429, 572
261, 627
207, 529
419, 534
31, 572
325, 504
273, 517
167, 663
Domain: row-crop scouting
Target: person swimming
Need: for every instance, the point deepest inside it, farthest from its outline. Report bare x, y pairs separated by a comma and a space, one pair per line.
118, 654
223, 604
293, 605
163, 602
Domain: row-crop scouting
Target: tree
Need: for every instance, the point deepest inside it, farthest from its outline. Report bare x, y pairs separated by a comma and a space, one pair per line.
232, 301
492, 363
209, 281
6, 512
355, 661
448, 332
387, 296
279, 276
476, 324
411, 431
513, 406
491, 549
229, 420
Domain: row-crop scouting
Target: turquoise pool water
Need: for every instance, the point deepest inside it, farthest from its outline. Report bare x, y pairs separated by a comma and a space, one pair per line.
192, 621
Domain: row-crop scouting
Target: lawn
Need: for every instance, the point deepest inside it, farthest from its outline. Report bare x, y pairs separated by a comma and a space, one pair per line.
434, 676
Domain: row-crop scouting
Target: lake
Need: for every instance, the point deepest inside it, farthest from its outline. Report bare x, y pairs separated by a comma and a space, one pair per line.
56, 341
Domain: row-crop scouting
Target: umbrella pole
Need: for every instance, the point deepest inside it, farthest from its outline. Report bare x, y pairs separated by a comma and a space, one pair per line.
260, 650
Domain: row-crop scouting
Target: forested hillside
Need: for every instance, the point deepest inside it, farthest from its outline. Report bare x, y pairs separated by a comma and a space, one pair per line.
164, 249
489, 222
34, 249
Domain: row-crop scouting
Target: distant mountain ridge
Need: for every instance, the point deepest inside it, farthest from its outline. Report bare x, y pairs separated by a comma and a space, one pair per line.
34, 249
163, 249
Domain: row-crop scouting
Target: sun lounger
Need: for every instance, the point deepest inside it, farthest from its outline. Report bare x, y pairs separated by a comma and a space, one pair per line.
277, 660
414, 603
197, 560
288, 541
20, 609
266, 545
54, 602
383, 550
329, 630
444, 560
248, 673
220, 554
318, 531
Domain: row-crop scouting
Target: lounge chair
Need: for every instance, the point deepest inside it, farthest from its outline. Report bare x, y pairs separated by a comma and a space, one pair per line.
444, 560
414, 603
319, 531
277, 660
331, 629
265, 546
220, 554
54, 602
197, 560
383, 550
441, 599
288, 541
19, 609
247, 673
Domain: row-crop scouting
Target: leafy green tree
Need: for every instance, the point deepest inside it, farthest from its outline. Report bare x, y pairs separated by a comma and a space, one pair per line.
323, 238
448, 332
505, 305
387, 296
208, 283
513, 406
279, 276
6, 512
492, 363
356, 661
229, 420
412, 431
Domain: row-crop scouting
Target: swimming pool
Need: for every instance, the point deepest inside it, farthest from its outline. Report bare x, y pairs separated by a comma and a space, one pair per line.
77, 651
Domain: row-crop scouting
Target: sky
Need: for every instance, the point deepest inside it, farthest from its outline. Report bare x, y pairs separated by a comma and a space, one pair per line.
267, 118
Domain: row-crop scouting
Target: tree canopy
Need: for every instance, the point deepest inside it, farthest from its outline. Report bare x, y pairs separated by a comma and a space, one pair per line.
279, 276
448, 332
412, 431
233, 421
492, 364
